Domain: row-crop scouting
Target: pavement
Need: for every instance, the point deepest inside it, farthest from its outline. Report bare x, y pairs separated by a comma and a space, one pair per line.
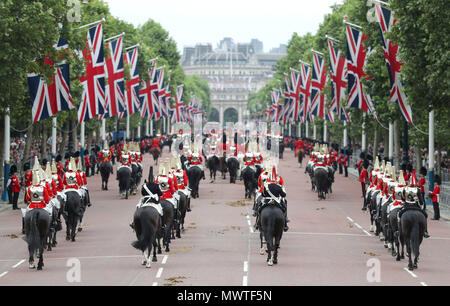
328, 243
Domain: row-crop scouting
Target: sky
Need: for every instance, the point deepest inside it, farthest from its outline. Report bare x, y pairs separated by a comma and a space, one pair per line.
208, 21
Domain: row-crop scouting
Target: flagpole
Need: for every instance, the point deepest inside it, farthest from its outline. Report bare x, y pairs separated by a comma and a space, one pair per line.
146, 127
299, 129
131, 47
92, 23
325, 131
314, 131
364, 138
151, 127
431, 151
6, 153
306, 128
54, 136
103, 131
128, 127
114, 37
82, 140
345, 134
391, 142
139, 129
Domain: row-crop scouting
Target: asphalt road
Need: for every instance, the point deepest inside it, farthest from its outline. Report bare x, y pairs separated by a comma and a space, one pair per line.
328, 243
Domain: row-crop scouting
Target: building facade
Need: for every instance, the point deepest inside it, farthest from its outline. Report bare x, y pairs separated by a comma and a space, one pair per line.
233, 70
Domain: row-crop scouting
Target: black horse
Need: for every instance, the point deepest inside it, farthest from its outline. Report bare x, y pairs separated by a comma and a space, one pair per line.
412, 224
213, 165
124, 175
272, 221
37, 225
395, 239
223, 166
147, 222
55, 224
321, 182
106, 169
72, 212
194, 174
233, 166
136, 174
181, 213
250, 181
166, 225
156, 153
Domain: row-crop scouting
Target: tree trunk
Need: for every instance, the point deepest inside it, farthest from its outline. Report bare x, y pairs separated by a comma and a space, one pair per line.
43, 141
385, 135
438, 161
418, 158
74, 136
396, 145
88, 142
375, 143
62, 146
26, 153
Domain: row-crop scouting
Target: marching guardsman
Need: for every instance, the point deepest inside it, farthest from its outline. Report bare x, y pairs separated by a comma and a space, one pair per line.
421, 185
345, 164
15, 187
28, 177
363, 181
87, 165
339, 161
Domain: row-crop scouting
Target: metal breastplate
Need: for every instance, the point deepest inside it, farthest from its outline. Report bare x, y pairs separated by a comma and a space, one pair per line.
180, 177
37, 194
71, 178
163, 183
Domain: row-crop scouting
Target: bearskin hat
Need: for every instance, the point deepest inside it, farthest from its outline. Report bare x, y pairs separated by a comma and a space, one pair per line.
26, 166
68, 155
76, 154
409, 167
423, 171
13, 169
362, 155
437, 179
58, 158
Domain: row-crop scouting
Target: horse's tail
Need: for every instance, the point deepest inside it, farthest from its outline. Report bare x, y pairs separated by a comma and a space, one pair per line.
147, 232
34, 240
414, 237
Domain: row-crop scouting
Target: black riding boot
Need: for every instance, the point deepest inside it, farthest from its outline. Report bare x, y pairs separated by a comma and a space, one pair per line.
189, 205
203, 175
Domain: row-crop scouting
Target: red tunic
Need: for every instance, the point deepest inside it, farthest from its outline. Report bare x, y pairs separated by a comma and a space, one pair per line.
363, 176
422, 184
168, 194
15, 184
28, 178
41, 204
435, 194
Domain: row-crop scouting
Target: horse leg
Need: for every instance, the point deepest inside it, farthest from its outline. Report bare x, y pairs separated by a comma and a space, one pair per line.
159, 246
408, 250
144, 258
31, 258
262, 250
41, 258
154, 259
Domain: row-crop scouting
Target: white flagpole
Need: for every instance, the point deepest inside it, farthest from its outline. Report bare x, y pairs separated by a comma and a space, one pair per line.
139, 129
82, 135
345, 133
128, 127
431, 151
325, 131
6, 153
103, 131
364, 137
54, 136
314, 131
391, 142
151, 127
92, 23
306, 128
146, 127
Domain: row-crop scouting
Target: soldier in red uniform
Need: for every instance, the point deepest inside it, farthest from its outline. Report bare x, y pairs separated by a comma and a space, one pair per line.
339, 161
421, 185
28, 176
59, 166
345, 164
87, 165
37, 194
15, 187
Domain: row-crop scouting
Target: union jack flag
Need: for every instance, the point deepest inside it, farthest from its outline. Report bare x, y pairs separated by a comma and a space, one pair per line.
344, 116
356, 57
386, 21
162, 93
93, 96
155, 108
275, 109
289, 100
115, 89
48, 99
132, 106
176, 111
145, 95
305, 90
318, 81
329, 116
338, 74
295, 93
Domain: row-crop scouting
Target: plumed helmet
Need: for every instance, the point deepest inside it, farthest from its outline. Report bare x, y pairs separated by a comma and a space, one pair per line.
413, 178
411, 195
399, 193
391, 187
42, 175
36, 165
35, 177
79, 165
423, 171
26, 166
48, 171
54, 169
401, 179
13, 169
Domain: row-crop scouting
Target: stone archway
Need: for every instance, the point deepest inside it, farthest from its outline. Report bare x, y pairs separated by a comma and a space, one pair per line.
231, 115
214, 115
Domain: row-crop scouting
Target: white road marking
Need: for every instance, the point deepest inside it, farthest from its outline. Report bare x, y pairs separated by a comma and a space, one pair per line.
359, 226
3, 274
158, 274
155, 284
245, 266
423, 284
251, 229
351, 220
19, 263
244, 280
412, 274
323, 234
249, 223
165, 259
